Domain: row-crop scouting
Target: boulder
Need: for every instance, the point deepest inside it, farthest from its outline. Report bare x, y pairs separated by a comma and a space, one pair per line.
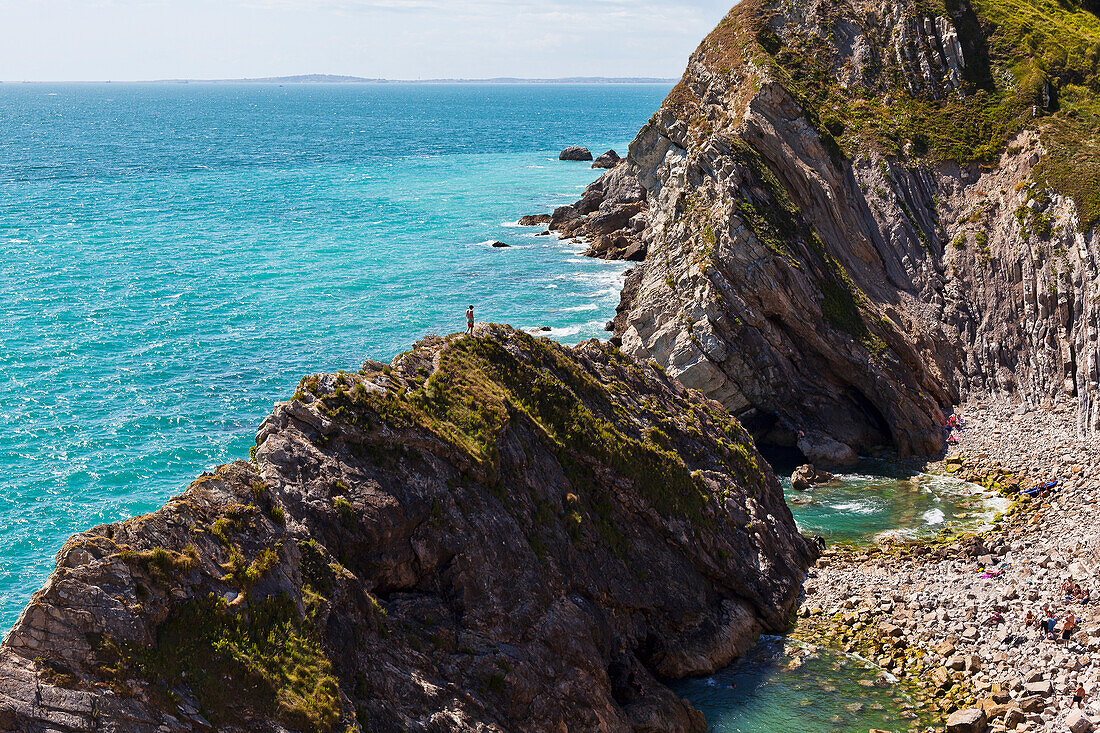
820, 448
534, 220
1013, 718
1078, 722
806, 476
608, 160
1042, 687
500, 245
968, 720
575, 152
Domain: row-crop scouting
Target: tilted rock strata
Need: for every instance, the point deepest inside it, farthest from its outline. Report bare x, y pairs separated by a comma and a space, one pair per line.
493, 533
610, 216
816, 280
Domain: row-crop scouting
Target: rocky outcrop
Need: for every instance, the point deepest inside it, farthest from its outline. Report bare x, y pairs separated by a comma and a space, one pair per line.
824, 254
492, 533
534, 220
608, 160
576, 153
807, 476
610, 216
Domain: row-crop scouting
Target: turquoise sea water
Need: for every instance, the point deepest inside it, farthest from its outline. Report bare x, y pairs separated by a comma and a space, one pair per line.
880, 496
173, 259
785, 687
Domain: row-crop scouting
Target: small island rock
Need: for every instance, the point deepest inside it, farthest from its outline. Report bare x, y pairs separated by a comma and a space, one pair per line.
575, 152
500, 245
534, 220
610, 159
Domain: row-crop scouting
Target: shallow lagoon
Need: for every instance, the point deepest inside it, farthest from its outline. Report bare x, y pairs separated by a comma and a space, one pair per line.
788, 687
879, 496
783, 686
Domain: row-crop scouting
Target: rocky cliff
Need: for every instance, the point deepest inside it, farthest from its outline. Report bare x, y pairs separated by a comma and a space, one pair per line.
855, 214
492, 533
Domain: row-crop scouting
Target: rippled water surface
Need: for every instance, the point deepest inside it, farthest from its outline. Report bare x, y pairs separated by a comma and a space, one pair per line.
878, 496
787, 688
174, 258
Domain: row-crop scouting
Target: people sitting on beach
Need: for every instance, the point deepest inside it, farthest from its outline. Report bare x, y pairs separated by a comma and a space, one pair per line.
1051, 623
1085, 598
1030, 620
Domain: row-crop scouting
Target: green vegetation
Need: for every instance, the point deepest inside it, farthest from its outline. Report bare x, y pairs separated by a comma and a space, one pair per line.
264, 659
345, 511
1030, 64
480, 386
160, 563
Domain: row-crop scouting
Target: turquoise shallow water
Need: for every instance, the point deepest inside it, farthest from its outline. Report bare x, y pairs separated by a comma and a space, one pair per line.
880, 496
783, 687
173, 259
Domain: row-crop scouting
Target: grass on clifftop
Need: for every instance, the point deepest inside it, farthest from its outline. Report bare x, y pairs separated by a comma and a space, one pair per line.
480, 386
1017, 52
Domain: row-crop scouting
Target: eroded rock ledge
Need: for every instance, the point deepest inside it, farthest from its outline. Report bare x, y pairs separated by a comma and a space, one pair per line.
834, 251
492, 533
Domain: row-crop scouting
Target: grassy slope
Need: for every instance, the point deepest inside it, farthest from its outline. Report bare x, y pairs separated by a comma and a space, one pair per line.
1017, 48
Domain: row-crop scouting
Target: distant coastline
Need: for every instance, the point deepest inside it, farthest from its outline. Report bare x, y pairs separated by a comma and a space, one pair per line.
337, 79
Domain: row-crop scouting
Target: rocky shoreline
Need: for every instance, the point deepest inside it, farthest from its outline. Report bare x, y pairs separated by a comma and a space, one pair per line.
927, 612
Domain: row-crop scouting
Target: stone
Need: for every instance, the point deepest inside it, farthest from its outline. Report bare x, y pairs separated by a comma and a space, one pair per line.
806, 476
500, 245
576, 153
454, 574
608, 160
967, 720
533, 220
1013, 718
1042, 687
1078, 722
820, 448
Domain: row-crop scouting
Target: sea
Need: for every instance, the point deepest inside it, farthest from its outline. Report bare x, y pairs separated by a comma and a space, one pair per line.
175, 258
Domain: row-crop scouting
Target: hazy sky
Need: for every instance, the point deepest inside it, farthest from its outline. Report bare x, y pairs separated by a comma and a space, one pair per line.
406, 39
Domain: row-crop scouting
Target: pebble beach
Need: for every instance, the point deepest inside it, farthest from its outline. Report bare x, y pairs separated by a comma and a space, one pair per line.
948, 617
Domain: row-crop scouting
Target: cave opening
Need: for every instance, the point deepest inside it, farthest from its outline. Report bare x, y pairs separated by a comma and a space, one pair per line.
777, 443
878, 429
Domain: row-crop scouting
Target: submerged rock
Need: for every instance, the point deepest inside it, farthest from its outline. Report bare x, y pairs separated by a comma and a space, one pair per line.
575, 152
492, 533
500, 245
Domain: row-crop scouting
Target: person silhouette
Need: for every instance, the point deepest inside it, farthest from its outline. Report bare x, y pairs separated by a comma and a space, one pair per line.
470, 321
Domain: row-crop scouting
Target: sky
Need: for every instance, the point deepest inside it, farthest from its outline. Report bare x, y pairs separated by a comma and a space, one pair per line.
128, 40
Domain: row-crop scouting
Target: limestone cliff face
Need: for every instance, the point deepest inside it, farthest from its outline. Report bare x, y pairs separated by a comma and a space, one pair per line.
492, 533
855, 214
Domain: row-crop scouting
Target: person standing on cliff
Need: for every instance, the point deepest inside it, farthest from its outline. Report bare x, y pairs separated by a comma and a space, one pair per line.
470, 321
